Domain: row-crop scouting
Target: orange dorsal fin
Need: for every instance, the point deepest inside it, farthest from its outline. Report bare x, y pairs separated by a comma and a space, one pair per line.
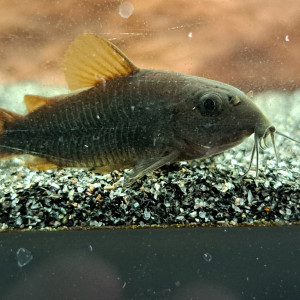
6, 117
91, 60
33, 102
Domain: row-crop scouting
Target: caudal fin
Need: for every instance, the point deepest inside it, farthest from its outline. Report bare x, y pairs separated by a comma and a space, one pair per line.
6, 117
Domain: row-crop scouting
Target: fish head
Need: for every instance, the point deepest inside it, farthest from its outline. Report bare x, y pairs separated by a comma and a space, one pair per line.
215, 116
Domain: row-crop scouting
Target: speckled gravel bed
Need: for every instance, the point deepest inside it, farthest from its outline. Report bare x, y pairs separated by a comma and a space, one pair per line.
209, 191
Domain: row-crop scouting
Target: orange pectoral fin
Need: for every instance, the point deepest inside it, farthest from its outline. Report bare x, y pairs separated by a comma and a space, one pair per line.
39, 163
111, 168
7, 155
102, 170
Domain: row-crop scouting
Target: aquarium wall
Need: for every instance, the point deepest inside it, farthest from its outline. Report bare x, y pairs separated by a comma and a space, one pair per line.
223, 223
253, 45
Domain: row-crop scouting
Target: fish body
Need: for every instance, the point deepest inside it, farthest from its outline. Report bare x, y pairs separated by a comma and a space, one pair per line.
121, 116
114, 125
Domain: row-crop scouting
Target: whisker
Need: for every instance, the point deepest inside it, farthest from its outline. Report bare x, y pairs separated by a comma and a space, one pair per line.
256, 139
274, 146
286, 136
251, 160
258, 143
261, 145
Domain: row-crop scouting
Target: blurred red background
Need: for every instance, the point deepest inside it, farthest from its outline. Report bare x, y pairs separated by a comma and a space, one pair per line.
252, 44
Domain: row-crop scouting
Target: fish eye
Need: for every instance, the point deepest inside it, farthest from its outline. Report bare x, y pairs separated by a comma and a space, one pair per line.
210, 104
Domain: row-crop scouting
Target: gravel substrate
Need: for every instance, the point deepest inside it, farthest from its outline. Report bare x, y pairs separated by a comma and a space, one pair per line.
210, 191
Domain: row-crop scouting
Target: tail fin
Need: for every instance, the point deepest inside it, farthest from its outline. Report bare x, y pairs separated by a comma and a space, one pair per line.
6, 117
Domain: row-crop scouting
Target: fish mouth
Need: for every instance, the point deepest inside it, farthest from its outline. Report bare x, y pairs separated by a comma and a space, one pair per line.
260, 141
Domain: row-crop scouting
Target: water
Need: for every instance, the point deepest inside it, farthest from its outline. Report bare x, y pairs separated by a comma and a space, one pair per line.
149, 264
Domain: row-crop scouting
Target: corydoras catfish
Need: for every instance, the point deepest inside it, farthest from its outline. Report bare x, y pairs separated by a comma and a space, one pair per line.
120, 116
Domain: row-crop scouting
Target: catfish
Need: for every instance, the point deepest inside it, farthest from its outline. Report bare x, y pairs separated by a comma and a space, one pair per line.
120, 116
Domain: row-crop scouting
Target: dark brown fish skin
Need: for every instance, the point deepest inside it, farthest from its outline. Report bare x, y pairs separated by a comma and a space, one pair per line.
127, 120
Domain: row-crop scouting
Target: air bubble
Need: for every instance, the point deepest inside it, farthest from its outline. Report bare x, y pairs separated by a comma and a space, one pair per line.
126, 9
24, 257
207, 257
177, 283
